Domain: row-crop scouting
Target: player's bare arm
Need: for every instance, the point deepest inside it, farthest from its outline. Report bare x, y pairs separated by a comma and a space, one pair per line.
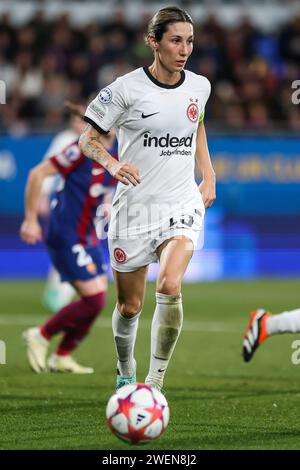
207, 186
90, 144
31, 231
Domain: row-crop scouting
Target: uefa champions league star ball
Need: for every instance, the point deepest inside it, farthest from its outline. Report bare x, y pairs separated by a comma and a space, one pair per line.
137, 413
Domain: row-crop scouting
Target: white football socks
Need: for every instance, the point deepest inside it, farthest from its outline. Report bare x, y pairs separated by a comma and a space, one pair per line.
285, 322
124, 331
165, 330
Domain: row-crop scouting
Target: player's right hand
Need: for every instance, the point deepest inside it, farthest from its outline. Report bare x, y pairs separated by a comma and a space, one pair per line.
125, 172
31, 232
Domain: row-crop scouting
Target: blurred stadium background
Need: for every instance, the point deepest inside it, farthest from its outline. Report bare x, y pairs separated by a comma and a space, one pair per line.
52, 51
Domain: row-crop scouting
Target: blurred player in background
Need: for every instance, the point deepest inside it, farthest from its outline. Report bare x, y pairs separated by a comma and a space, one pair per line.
57, 294
73, 248
263, 324
158, 209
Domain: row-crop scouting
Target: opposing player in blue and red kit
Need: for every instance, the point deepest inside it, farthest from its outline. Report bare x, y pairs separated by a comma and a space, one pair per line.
74, 249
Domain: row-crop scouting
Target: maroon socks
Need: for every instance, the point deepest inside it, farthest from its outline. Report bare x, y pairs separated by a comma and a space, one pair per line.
75, 320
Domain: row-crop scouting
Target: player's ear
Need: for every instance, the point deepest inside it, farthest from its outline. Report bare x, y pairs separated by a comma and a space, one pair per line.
152, 42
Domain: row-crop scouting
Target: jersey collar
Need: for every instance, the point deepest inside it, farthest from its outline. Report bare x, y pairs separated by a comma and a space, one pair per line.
164, 85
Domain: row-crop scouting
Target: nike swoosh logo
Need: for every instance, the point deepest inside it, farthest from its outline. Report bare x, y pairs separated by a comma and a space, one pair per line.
144, 116
161, 370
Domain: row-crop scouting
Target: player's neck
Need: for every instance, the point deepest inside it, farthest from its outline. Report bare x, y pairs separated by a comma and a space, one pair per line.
162, 75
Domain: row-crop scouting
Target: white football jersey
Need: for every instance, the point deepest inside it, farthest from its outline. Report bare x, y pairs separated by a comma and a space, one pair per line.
156, 127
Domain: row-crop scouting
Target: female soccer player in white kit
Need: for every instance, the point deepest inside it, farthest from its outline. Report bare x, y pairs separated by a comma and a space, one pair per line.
158, 209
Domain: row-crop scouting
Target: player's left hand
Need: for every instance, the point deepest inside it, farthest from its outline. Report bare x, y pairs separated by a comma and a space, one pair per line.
207, 188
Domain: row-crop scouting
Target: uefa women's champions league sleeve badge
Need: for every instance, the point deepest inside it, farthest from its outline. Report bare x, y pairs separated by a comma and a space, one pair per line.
105, 95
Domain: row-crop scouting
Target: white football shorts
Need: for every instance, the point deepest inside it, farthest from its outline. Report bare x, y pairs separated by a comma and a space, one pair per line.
130, 254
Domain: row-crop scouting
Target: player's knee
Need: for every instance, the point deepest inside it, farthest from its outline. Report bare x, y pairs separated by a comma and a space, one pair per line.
169, 285
130, 308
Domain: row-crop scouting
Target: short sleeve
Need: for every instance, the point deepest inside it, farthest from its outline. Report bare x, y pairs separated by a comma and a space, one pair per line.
201, 117
207, 89
68, 160
109, 108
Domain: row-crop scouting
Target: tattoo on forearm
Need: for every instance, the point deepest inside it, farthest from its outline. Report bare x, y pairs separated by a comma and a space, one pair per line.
94, 149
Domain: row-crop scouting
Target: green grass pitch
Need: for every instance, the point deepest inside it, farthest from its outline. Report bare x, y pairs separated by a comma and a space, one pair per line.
216, 401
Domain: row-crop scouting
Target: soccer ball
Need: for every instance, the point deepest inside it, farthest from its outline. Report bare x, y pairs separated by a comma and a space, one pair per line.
137, 413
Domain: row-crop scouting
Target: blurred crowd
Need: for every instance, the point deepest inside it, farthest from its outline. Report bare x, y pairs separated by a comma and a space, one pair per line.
44, 63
